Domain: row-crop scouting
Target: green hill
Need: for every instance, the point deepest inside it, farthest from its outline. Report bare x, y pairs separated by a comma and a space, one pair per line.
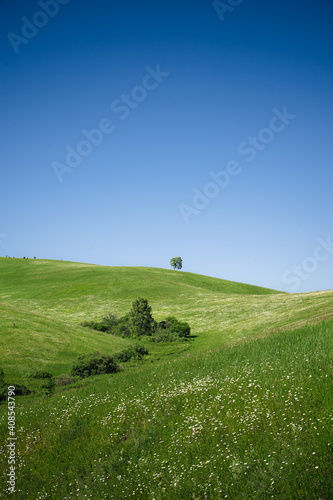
47, 300
242, 410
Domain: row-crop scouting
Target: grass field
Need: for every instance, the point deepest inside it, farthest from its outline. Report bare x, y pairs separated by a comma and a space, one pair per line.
242, 410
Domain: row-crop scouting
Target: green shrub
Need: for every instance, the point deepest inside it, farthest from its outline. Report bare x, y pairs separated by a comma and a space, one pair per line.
109, 321
121, 327
41, 374
49, 386
171, 330
141, 350
20, 390
136, 352
123, 356
110, 324
93, 364
181, 328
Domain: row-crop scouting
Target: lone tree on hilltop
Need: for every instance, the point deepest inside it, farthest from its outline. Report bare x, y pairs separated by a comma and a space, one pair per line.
176, 263
140, 320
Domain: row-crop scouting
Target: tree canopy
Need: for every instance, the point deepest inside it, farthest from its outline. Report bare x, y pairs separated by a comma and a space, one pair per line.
176, 263
141, 321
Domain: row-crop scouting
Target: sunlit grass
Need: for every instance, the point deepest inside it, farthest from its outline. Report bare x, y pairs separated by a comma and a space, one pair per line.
249, 421
243, 410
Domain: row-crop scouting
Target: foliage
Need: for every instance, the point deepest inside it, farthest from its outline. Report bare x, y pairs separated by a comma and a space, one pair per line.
20, 389
176, 263
111, 324
140, 319
171, 330
41, 375
49, 386
181, 328
140, 322
135, 352
93, 364
121, 327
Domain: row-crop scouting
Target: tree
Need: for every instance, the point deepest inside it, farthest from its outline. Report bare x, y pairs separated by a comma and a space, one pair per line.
176, 263
141, 321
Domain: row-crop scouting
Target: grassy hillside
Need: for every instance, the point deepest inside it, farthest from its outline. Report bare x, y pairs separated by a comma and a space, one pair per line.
243, 410
252, 421
47, 301
39, 343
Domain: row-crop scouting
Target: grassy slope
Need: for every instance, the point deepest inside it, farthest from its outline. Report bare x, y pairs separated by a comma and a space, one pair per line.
266, 404
47, 300
252, 421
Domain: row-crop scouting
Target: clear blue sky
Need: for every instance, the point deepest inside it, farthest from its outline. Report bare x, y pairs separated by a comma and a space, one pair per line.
180, 89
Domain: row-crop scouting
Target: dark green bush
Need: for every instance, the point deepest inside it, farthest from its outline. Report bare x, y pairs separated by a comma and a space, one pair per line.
41, 374
181, 328
110, 324
48, 385
171, 330
123, 356
141, 350
121, 327
135, 352
96, 325
20, 390
93, 364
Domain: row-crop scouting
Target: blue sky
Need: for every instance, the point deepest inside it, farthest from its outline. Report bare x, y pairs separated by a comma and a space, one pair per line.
178, 91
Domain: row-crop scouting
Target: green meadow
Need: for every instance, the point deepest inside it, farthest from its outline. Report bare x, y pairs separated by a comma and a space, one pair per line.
243, 410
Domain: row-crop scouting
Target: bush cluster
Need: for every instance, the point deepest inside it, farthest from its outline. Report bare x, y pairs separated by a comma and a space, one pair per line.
135, 352
111, 324
48, 382
97, 364
41, 375
93, 364
20, 390
140, 322
171, 330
